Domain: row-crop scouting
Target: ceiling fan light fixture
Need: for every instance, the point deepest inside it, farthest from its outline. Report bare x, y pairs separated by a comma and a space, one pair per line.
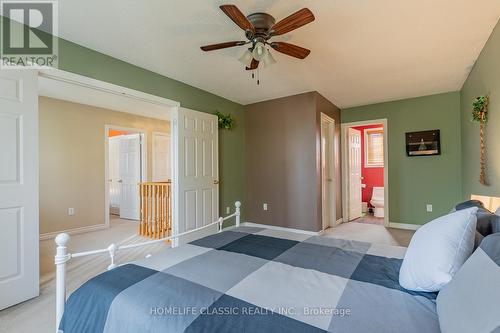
268, 59
259, 51
246, 58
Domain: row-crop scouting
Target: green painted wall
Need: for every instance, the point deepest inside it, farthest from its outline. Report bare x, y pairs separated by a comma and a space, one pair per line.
417, 181
484, 79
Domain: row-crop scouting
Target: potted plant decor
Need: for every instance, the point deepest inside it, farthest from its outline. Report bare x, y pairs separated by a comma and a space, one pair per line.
225, 121
480, 115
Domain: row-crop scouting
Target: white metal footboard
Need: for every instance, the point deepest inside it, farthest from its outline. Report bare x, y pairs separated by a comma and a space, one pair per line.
62, 256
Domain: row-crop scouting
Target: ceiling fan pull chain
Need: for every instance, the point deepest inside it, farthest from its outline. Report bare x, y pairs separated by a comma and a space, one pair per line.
258, 76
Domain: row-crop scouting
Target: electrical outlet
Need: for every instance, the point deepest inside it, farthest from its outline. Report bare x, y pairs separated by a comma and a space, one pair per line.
429, 208
228, 210
71, 211
264, 206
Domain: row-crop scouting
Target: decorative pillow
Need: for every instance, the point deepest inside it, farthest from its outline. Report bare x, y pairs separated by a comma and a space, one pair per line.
470, 302
497, 213
437, 251
469, 204
487, 222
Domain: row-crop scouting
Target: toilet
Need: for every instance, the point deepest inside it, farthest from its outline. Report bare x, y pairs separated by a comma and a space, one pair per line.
377, 201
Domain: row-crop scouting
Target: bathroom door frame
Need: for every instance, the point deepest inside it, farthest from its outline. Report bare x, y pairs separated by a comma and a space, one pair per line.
345, 166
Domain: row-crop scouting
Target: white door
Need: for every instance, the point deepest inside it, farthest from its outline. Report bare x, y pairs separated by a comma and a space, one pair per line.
114, 175
354, 160
19, 235
161, 157
196, 173
130, 176
327, 171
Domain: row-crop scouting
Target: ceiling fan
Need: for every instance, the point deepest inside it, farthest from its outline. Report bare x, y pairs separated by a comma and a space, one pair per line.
259, 29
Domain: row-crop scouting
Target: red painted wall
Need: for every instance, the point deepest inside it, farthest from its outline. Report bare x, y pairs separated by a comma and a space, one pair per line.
372, 177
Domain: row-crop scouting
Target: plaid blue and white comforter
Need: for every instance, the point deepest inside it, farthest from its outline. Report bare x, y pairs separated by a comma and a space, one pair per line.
255, 280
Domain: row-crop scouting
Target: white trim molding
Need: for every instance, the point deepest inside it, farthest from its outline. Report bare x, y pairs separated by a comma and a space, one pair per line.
73, 231
273, 227
405, 226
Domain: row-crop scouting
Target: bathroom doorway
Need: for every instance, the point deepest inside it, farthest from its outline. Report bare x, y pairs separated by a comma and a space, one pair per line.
365, 172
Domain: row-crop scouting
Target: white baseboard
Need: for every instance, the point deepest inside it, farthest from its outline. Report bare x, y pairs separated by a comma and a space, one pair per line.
300, 231
74, 231
405, 226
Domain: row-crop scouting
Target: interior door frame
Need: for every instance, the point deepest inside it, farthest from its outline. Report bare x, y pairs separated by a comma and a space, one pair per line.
345, 166
333, 199
153, 152
144, 161
112, 90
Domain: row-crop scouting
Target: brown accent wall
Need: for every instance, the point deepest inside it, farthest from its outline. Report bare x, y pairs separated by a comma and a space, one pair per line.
282, 155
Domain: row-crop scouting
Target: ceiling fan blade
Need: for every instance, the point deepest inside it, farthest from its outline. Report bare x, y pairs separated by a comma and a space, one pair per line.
292, 22
221, 45
237, 16
290, 49
253, 65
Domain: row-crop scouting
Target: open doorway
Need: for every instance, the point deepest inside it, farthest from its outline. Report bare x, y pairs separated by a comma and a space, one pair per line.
365, 172
125, 169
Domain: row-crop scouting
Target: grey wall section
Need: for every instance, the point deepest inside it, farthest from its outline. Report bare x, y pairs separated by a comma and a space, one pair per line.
484, 79
282, 159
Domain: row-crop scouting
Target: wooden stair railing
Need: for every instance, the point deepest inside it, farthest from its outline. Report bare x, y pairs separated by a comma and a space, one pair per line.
156, 209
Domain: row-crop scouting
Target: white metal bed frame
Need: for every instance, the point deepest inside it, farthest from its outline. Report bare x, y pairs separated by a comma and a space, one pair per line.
62, 256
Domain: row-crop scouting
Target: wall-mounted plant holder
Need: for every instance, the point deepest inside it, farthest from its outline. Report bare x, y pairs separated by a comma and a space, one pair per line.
423, 143
225, 121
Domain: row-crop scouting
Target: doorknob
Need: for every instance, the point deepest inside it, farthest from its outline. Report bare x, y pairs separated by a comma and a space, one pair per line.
120, 181
329, 180
216, 182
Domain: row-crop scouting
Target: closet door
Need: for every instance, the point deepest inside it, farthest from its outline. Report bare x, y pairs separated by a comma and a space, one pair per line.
19, 273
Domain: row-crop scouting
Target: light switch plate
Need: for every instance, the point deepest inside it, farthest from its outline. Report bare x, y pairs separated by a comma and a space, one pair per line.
228, 210
429, 208
264, 206
71, 211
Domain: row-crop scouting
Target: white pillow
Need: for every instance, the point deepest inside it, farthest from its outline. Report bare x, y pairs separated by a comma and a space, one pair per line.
498, 211
437, 251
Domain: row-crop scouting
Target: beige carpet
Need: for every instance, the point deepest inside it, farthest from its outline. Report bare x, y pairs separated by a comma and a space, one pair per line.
371, 233
38, 315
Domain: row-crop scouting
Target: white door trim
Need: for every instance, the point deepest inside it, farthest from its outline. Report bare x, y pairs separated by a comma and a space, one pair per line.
345, 166
112, 89
331, 136
144, 165
153, 152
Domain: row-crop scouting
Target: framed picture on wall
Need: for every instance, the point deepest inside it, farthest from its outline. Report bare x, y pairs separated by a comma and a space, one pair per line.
423, 143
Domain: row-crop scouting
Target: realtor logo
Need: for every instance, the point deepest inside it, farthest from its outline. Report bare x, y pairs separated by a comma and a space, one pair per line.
28, 34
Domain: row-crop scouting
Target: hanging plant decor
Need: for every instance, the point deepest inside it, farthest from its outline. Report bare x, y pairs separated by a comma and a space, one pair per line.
480, 114
225, 121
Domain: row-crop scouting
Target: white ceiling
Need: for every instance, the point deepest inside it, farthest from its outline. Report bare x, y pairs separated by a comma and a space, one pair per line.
363, 51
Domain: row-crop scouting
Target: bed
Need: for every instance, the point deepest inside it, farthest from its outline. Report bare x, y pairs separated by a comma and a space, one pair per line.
249, 279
